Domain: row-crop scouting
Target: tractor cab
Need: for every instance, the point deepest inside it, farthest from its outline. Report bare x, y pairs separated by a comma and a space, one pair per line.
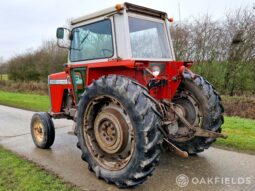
125, 31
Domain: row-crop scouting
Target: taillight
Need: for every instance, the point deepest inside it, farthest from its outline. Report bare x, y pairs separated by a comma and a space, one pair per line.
188, 64
155, 70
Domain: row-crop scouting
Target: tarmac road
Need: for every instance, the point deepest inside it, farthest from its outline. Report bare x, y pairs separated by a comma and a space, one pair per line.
214, 169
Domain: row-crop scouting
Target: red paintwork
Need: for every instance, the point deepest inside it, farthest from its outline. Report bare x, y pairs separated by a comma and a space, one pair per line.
129, 68
57, 91
173, 69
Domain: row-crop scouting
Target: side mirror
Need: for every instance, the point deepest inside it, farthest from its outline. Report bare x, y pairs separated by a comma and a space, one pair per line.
63, 37
60, 33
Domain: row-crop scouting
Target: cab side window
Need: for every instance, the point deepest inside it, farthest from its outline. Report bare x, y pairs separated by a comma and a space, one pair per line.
92, 41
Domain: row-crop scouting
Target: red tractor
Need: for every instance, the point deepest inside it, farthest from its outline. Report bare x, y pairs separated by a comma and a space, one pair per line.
127, 95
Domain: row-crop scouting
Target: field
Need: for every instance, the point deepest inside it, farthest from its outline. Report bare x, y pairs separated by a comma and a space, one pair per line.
19, 174
241, 134
25, 101
4, 77
241, 131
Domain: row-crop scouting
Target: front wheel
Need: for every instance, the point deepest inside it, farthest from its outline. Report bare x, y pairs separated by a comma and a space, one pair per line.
42, 130
201, 105
118, 131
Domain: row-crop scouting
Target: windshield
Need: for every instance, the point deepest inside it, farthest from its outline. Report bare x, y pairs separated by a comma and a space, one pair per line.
92, 41
148, 39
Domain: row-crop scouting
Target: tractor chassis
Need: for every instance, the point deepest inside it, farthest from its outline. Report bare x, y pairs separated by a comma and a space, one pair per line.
171, 114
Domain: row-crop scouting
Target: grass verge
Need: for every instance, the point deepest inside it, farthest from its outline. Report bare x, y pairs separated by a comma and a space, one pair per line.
25, 101
241, 134
4, 77
19, 174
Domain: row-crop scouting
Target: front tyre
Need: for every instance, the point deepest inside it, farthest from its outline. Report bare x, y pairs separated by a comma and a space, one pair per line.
42, 130
118, 131
201, 106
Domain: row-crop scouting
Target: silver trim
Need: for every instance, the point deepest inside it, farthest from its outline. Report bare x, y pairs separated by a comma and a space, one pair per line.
62, 81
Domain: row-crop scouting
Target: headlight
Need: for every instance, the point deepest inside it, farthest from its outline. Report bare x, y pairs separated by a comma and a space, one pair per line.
155, 70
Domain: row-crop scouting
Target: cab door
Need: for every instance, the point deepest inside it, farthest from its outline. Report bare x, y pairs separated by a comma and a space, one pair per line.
78, 76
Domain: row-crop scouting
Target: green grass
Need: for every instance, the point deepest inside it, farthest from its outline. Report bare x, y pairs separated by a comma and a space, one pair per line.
25, 101
241, 134
19, 174
4, 77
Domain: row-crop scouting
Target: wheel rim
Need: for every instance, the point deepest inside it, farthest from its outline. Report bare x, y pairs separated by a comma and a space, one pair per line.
38, 131
189, 107
110, 130
108, 133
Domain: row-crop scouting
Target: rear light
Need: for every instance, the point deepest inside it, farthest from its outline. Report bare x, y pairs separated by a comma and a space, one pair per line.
155, 70
171, 20
188, 64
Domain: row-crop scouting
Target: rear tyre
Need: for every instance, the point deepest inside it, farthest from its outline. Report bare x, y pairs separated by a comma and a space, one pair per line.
118, 131
202, 107
42, 130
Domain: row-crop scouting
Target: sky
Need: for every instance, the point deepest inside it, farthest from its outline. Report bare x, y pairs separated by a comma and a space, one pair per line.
27, 23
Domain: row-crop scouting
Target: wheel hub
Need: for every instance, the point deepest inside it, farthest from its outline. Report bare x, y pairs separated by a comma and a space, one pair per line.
181, 110
109, 133
187, 106
38, 131
110, 130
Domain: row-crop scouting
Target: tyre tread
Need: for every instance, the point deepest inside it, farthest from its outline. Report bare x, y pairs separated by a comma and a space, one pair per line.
143, 106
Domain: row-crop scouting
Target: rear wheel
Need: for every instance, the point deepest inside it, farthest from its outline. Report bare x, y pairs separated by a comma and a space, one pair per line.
118, 131
201, 105
42, 130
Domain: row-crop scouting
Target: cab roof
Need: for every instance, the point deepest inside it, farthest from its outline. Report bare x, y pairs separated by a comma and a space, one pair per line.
122, 7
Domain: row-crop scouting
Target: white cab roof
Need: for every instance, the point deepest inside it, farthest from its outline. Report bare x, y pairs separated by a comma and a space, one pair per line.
124, 6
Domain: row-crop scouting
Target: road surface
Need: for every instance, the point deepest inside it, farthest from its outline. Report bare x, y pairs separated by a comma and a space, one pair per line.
214, 169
